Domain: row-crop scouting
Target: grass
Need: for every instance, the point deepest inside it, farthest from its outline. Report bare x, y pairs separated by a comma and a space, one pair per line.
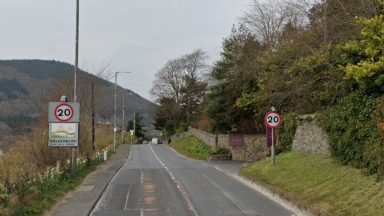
192, 147
319, 183
50, 191
104, 137
41, 197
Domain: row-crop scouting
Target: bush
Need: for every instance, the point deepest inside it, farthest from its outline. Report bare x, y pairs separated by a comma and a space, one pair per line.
222, 151
192, 147
287, 132
182, 128
353, 133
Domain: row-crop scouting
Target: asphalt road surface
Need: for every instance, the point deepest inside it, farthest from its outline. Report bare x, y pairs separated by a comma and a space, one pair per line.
156, 181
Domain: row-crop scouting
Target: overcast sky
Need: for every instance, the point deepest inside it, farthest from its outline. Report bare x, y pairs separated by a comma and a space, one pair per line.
132, 35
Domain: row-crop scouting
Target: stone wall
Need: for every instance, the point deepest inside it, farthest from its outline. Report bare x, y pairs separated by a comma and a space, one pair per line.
309, 137
179, 136
253, 150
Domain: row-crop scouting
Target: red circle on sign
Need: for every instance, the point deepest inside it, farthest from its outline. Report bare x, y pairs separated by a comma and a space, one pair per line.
273, 119
66, 118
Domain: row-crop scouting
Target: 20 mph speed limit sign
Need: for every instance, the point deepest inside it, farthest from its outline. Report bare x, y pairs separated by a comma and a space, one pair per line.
273, 120
63, 112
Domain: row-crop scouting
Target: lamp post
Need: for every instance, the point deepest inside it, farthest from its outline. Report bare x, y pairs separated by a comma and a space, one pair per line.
134, 122
123, 122
114, 119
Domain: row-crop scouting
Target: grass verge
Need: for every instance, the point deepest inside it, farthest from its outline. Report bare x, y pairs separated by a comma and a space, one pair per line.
45, 194
192, 147
50, 190
319, 183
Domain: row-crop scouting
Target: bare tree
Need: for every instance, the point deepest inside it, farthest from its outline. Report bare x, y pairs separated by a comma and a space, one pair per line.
195, 85
169, 81
334, 20
267, 20
180, 86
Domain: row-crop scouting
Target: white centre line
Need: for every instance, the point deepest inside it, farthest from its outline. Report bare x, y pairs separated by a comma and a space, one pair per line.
183, 193
126, 199
142, 176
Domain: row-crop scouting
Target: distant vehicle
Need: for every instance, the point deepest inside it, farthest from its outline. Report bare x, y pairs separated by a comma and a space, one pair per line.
155, 141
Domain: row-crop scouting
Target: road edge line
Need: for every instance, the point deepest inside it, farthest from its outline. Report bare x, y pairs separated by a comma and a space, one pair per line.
259, 188
108, 184
268, 193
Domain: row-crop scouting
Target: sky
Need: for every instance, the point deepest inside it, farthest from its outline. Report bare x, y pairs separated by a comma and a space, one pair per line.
139, 36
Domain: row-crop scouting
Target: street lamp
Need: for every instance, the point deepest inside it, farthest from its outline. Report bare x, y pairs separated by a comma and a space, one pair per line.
114, 119
134, 123
123, 122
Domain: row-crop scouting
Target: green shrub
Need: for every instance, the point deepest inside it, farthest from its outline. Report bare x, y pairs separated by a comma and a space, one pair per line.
287, 132
182, 128
192, 147
353, 133
222, 151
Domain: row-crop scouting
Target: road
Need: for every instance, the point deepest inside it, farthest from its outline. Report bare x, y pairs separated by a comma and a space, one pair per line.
156, 181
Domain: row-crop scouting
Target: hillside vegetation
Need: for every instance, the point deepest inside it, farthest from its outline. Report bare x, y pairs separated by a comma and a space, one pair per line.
302, 57
26, 87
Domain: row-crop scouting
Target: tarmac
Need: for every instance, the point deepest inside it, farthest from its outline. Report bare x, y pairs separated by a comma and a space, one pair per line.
81, 201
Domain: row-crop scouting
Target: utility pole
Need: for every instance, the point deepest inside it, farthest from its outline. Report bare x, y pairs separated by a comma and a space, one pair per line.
134, 122
93, 117
123, 123
114, 118
74, 149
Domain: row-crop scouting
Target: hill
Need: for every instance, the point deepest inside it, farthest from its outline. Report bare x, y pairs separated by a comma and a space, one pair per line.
26, 86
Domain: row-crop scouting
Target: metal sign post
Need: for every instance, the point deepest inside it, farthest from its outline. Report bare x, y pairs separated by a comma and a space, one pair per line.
64, 119
273, 120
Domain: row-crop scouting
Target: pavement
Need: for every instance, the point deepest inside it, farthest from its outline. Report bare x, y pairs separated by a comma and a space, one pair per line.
81, 201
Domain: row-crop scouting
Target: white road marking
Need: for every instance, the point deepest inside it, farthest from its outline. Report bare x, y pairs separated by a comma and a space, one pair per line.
142, 212
269, 194
101, 201
142, 176
184, 194
126, 199
227, 195
130, 154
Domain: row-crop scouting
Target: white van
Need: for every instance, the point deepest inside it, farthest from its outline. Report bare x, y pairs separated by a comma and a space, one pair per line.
155, 141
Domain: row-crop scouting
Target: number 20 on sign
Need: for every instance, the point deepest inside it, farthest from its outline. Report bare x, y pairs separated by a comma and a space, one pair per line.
273, 120
62, 112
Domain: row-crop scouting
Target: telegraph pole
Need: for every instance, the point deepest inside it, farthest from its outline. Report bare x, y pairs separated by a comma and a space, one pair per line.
114, 116
93, 117
134, 122
74, 149
123, 123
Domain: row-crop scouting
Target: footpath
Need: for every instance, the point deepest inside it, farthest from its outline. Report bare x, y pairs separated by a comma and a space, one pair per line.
81, 201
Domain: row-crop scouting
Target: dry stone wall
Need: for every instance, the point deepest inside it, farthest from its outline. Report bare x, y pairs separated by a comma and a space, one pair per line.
309, 137
253, 150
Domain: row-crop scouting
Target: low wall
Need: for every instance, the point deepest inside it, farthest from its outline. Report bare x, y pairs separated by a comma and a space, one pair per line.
309, 137
253, 150
179, 135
